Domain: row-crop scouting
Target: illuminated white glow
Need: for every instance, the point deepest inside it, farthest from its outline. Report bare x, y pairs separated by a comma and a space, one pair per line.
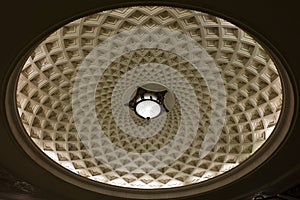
69, 166
268, 132
52, 155
228, 166
173, 183
148, 109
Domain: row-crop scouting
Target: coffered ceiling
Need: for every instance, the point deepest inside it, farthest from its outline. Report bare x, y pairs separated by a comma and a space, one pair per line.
252, 82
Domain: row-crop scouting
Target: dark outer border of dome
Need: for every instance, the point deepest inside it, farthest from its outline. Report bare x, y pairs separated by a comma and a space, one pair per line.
187, 191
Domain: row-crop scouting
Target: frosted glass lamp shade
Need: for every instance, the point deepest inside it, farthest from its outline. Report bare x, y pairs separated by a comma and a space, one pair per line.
148, 109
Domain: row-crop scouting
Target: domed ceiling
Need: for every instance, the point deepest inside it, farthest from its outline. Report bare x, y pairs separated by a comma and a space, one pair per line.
73, 90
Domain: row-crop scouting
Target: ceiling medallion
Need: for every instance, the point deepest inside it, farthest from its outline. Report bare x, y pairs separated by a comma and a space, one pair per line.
148, 106
149, 97
149, 102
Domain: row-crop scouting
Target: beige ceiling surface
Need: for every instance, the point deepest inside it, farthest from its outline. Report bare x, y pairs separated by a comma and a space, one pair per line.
251, 81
